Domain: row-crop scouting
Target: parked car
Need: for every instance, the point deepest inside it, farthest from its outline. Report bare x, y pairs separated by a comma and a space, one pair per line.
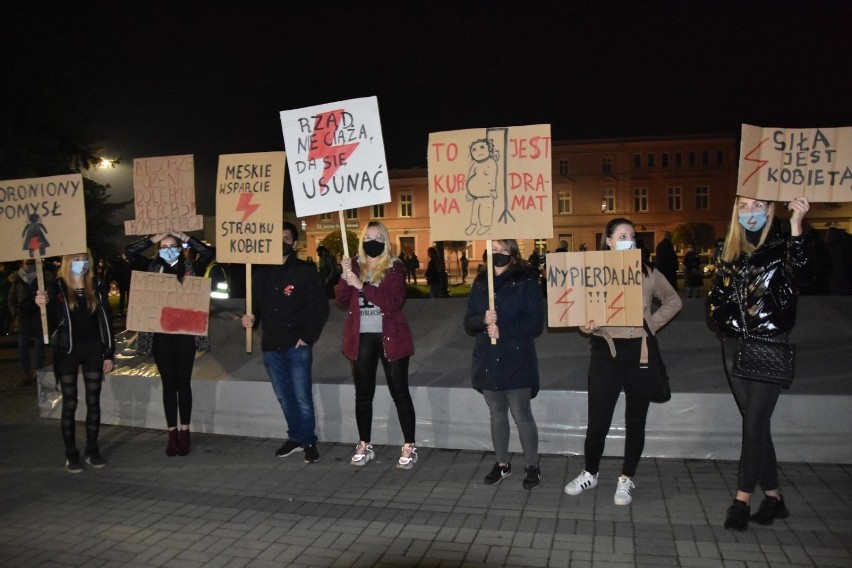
708, 269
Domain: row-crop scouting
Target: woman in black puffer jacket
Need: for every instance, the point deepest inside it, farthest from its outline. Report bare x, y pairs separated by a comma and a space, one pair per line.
506, 372
762, 267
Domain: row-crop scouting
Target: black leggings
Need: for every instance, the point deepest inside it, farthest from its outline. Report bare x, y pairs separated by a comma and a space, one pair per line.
607, 376
756, 402
175, 356
370, 352
88, 355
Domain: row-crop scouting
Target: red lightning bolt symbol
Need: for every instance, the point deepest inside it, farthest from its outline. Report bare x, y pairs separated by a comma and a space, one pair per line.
324, 150
760, 163
616, 309
562, 300
246, 206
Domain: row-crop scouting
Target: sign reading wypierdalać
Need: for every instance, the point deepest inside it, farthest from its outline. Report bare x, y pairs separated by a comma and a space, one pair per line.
161, 303
491, 183
250, 208
780, 164
600, 286
163, 196
336, 156
44, 216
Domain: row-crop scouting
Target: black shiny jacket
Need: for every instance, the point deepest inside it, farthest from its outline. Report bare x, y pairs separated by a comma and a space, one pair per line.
60, 316
768, 279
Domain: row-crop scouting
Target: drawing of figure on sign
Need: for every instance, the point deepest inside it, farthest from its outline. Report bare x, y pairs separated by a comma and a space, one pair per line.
481, 185
34, 235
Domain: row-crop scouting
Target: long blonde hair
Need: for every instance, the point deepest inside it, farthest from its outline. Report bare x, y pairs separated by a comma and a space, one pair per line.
736, 242
88, 281
383, 261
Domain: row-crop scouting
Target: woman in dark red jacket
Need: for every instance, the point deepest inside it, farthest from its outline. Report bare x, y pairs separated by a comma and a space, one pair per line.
373, 289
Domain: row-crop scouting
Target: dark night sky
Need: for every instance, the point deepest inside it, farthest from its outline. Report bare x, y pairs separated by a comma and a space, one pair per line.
154, 79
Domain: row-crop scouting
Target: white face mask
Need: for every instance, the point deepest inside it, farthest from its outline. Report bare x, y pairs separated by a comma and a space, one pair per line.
625, 245
79, 267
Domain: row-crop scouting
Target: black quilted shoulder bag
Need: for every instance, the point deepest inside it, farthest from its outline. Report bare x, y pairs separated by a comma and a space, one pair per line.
762, 359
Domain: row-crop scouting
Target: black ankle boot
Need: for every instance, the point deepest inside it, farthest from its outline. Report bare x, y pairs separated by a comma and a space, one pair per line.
737, 517
172, 447
771, 508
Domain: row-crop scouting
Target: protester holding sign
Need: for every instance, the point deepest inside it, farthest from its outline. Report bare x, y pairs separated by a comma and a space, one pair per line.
505, 371
373, 289
619, 360
754, 293
82, 338
174, 353
291, 307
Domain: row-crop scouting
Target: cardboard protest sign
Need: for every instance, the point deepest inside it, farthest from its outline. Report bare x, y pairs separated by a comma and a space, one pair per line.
780, 164
491, 183
250, 208
161, 303
43, 216
163, 196
600, 286
336, 156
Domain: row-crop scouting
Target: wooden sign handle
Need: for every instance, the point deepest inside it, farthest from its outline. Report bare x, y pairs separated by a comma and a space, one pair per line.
249, 330
343, 238
40, 276
489, 266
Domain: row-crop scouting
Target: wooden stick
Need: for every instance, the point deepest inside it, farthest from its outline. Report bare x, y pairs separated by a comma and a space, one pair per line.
249, 330
343, 234
40, 276
489, 266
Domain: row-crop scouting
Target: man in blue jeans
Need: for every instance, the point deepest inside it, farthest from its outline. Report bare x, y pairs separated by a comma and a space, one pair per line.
291, 307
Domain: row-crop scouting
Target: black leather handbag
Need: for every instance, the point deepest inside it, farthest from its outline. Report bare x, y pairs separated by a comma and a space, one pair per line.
762, 359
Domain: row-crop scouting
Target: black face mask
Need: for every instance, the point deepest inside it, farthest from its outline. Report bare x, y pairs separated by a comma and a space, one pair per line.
287, 249
373, 248
500, 260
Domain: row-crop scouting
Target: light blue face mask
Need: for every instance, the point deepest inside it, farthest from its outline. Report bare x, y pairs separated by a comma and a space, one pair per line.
753, 221
170, 254
79, 267
625, 245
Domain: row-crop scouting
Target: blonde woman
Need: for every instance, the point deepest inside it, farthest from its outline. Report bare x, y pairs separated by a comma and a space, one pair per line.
373, 289
82, 338
754, 291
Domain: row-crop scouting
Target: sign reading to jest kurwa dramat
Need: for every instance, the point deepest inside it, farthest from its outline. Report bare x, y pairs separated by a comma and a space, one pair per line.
491, 183
42, 216
780, 164
163, 196
336, 156
600, 286
161, 303
250, 208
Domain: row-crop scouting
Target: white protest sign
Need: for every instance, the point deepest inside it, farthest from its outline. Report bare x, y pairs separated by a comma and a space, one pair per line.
42, 216
336, 156
780, 164
163, 196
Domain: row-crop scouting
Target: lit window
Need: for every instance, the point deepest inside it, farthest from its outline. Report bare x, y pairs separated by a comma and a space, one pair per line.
608, 196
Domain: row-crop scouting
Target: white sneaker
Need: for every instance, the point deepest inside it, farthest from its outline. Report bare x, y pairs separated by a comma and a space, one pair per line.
408, 457
363, 454
582, 482
624, 491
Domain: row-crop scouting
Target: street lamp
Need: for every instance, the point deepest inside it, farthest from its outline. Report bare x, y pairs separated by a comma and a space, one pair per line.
105, 164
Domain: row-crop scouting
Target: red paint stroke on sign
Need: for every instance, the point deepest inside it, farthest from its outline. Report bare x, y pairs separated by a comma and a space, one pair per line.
183, 320
760, 163
246, 206
331, 157
563, 299
616, 309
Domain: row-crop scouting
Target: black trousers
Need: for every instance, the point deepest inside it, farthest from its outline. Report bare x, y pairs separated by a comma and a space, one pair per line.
608, 375
370, 352
175, 356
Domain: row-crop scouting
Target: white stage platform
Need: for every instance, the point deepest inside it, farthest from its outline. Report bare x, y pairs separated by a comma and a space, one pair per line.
232, 394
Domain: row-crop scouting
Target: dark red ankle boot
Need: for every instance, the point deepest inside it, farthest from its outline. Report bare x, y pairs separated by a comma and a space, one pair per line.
172, 447
183, 443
